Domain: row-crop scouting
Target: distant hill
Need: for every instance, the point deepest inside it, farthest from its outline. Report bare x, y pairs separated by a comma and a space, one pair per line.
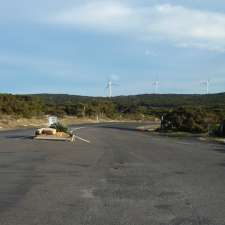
65, 98
148, 100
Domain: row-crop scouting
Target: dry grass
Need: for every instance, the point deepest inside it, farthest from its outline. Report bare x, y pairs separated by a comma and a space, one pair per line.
10, 122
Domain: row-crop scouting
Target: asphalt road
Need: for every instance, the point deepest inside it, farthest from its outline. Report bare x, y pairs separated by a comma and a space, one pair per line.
123, 177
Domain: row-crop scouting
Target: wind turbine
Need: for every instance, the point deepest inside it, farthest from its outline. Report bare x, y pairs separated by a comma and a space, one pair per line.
109, 86
156, 86
206, 83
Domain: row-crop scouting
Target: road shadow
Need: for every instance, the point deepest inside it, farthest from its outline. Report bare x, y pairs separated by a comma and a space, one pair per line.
222, 164
23, 137
120, 128
220, 150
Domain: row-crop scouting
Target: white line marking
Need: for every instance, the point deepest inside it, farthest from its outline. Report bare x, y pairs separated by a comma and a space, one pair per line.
87, 141
184, 143
78, 128
82, 139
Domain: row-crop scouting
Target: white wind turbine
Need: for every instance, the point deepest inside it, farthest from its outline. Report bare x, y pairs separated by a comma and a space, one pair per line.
110, 84
206, 84
156, 86
109, 88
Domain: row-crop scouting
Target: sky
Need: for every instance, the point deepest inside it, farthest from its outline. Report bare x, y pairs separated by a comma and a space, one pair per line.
76, 47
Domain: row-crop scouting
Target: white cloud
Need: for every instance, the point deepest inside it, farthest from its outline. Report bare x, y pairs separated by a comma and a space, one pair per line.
188, 27
185, 27
109, 16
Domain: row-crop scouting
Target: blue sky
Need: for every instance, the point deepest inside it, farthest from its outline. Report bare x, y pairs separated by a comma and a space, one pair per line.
65, 46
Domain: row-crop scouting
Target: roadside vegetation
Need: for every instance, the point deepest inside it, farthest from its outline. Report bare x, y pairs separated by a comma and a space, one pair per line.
185, 120
186, 113
194, 120
217, 130
21, 106
60, 127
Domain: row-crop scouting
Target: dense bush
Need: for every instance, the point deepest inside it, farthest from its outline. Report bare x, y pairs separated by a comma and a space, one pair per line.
60, 128
218, 130
222, 128
185, 119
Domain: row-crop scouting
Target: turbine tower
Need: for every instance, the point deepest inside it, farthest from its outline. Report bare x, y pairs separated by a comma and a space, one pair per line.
109, 87
156, 86
206, 84
110, 84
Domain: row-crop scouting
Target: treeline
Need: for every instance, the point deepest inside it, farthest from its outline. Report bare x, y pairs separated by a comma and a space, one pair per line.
82, 109
21, 106
136, 106
133, 107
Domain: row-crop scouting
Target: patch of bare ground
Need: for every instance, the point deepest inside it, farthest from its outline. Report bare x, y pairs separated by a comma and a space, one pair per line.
12, 122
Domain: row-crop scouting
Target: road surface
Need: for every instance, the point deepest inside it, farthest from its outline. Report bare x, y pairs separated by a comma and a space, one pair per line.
123, 177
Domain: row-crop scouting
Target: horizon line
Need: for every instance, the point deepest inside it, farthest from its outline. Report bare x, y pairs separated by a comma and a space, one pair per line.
127, 95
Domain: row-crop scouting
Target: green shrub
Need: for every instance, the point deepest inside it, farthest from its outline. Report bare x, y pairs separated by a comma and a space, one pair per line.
60, 128
222, 127
186, 120
217, 130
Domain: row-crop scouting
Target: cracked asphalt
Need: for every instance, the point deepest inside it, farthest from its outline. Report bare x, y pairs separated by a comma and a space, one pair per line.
123, 177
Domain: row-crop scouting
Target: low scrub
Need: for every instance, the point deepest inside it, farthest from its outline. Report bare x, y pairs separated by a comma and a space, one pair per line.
185, 120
